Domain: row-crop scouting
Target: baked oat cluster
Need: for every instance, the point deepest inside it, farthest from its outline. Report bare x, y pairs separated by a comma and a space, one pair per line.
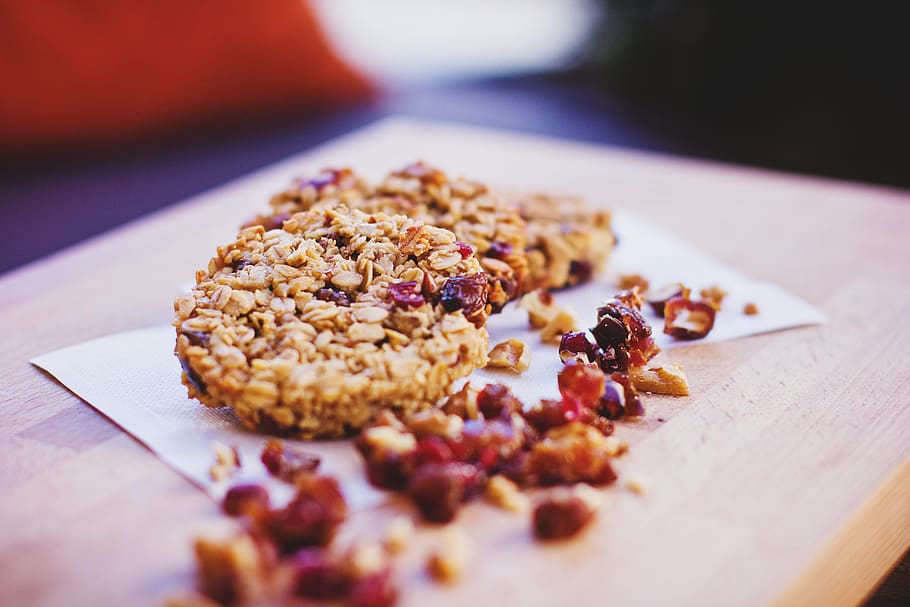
524, 241
569, 241
311, 328
480, 218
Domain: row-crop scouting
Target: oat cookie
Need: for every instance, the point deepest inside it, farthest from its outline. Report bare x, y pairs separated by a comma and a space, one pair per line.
312, 328
569, 241
482, 219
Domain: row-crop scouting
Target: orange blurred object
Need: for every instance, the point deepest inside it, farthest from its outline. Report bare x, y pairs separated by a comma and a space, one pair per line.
99, 71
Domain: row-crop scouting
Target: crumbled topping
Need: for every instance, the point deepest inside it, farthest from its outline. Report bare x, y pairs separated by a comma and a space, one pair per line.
512, 354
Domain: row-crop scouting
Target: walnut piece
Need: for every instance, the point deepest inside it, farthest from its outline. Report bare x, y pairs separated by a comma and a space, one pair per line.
505, 493
448, 562
563, 322
227, 461
665, 379
512, 354
540, 307
628, 281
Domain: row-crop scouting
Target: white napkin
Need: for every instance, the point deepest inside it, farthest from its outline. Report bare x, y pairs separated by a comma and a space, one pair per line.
134, 379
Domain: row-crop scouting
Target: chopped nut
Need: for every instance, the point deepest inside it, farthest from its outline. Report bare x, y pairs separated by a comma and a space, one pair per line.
540, 307
665, 379
463, 403
512, 354
687, 319
286, 462
433, 422
750, 309
627, 281
365, 559
636, 486
562, 322
659, 297
389, 439
398, 534
449, 561
504, 493
232, 570
713, 295
227, 461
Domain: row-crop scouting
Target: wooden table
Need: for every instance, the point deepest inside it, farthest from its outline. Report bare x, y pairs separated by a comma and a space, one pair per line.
784, 479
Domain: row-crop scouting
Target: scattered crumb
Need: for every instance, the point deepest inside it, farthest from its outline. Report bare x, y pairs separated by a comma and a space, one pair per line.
504, 493
540, 307
713, 295
448, 562
562, 322
512, 354
398, 534
614, 447
665, 379
636, 486
227, 461
628, 281
750, 309
365, 559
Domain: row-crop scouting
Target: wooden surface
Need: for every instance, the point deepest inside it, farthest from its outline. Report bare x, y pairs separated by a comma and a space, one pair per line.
784, 479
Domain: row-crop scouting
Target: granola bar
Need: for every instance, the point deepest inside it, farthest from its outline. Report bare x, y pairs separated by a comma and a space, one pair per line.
312, 328
481, 219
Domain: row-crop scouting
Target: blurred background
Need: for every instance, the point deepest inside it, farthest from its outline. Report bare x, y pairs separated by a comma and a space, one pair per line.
109, 110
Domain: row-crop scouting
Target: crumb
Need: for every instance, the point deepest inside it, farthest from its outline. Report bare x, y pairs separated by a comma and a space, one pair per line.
665, 379
540, 307
627, 281
504, 493
448, 562
512, 354
713, 295
636, 486
750, 309
227, 461
562, 322
398, 534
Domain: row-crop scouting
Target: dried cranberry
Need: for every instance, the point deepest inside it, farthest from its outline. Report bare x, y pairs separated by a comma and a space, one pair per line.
613, 401
467, 293
499, 250
406, 294
376, 590
438, 489
287, 462
464, 249
245, 500
335, 296
316, 576
323, 179
496, 400
548, 414
584, 381
575, 343
687, 319
559, 518
610, 331
311, 517
492, 440
580, 271
432, 449
390, 470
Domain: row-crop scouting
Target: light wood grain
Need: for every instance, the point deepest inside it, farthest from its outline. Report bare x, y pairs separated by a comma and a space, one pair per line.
784, 479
